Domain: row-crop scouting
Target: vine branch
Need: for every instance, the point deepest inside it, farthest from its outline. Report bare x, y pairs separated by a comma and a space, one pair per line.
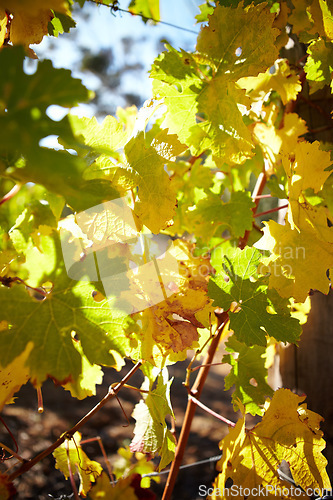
112, 392
276, 209
10, 194
211, 412
191, 407
257, 192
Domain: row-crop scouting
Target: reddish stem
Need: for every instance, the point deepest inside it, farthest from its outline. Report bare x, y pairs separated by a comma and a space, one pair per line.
173, 429
191, 407
262, 196
11, 435
276, 209
211, 412
69, 434
198, 367
71, 477
108, 465
10, 194
258, 189
40, 400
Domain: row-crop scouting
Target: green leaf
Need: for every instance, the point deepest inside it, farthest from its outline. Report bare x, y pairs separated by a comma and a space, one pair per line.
146, 171
24, 122
34, 92
327, 10
105, 138
200, 91
61, 23
257, 312
249, 29
248, 374
69, 309
212, 216
319, 64
205, 10
151, 433
148, 9
63, 173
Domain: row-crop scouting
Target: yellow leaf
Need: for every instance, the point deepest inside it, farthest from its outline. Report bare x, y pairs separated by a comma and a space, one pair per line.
301, 214
300, 17
251, 457
307, 18
14, 376
294, 266
104, 490
305, 167
7, 489
91, 374
27, 28
3, 26
327, 17
280, 22
88, 470
283, 80
273, 140
300, 310
30, 18
168, 329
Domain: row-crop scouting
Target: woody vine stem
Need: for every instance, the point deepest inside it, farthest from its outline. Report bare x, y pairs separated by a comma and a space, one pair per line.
112, 393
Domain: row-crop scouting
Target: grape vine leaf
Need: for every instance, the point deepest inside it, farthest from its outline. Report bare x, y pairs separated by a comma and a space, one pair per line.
148, 9
204, 110
275, 141
190, 186
90, 376
248, 28
50, 324
31, 236
30, 19
212, 216
105, 490
162, 340
281, 79
327, 11
302, 176
287, 431
307, 20
142, 168
7, 488
142, 466
151, 433
165, 331
60, 23
306, 167
13, 377
319, 65
306, 233
24, 123
248, 374
87, 469
103, 138
146, 168
294, 265
258, 311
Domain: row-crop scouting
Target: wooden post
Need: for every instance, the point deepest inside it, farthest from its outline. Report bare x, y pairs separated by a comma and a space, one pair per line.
308, 368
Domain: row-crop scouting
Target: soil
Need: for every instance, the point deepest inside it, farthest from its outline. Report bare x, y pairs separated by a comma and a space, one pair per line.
34, 431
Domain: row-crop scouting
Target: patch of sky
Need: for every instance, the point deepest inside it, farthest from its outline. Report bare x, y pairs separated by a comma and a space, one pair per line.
127, 45
112, 54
